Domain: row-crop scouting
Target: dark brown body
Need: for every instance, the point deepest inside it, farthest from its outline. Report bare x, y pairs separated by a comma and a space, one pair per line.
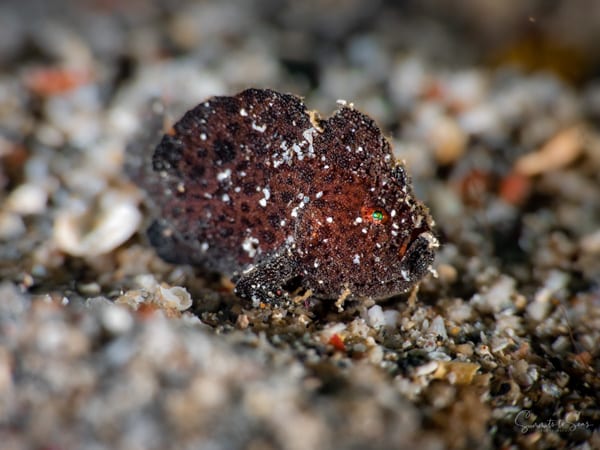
255, 187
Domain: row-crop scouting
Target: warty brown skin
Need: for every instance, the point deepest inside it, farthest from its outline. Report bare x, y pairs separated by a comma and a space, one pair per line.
256, 187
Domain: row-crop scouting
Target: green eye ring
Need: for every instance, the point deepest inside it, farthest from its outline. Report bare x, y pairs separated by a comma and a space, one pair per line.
374, 215
377, 215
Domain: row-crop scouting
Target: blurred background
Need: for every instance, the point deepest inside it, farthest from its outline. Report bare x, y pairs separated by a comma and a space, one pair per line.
314, 47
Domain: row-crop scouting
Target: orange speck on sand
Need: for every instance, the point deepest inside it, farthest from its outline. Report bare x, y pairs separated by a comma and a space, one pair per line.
55, 81
336, 341
515, 188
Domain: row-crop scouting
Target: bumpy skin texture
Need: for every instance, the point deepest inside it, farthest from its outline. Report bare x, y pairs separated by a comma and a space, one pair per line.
256, 187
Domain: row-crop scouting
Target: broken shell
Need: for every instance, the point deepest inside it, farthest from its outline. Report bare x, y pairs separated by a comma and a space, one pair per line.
175, 297
81, 232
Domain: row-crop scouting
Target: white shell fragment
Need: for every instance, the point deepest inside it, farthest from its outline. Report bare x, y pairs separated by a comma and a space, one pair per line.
176, 297
81, 232
150, 292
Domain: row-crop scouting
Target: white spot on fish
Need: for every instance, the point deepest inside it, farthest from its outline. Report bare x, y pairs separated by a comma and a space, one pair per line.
259, 128
224, 175
250, 246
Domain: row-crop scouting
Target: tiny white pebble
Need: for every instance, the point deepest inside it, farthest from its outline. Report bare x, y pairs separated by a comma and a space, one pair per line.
319, 194
28, 198
243, 112
329, 220
376, 316
203, 136
356, 259
116, 319
438, 327
427, 368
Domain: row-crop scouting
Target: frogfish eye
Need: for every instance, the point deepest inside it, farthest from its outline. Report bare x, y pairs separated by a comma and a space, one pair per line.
374, 215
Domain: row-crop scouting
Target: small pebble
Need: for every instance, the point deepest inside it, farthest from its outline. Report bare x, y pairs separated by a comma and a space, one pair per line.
376, 316
498, 296
438, 328
558, 152
116, 319
11, 226
27, 199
